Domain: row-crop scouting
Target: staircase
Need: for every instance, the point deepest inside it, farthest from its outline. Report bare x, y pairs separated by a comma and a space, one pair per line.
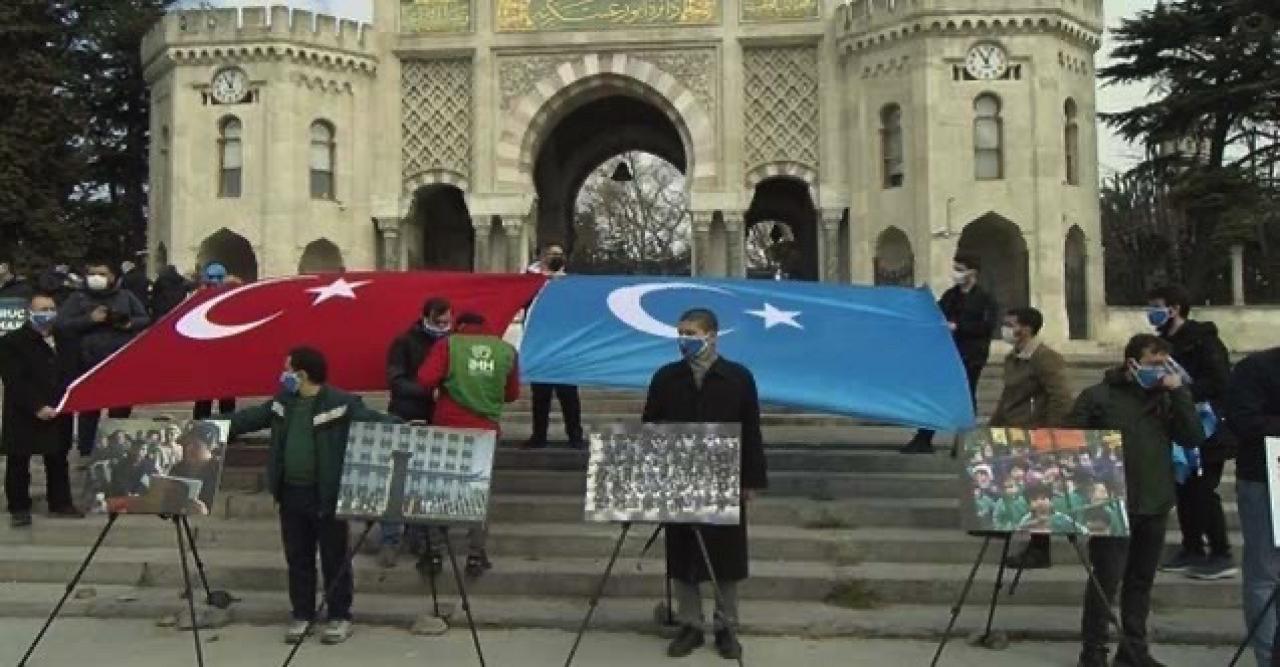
851, 539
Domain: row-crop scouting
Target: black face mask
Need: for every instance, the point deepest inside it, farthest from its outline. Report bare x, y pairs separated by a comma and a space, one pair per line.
555, 263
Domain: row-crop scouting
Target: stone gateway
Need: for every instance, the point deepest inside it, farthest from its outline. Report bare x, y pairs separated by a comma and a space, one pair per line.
886, 134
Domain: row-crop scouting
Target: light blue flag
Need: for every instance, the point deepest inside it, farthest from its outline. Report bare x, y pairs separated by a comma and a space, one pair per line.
879, 353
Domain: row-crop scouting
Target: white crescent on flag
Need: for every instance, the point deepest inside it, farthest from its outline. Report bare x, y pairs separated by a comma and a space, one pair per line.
196, 324
626, 304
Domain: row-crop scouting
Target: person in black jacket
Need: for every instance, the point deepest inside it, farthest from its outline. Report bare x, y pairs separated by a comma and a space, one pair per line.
12, 286
972, 315
410, 400
169, 290
704, 387
103, 319
1199, 350
134, 279
36, 365
1253, 415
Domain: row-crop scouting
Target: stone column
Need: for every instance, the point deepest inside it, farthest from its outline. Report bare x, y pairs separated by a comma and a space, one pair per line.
513, 232
735, 244
482, 225
389, 236
701, 241
1237, 275
830, 258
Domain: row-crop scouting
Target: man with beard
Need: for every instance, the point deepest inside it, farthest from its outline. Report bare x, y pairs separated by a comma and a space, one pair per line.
704, 387
103, 318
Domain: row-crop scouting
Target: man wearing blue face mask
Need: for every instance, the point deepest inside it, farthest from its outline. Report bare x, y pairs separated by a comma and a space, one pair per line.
36, 365
1146, 401
310, 422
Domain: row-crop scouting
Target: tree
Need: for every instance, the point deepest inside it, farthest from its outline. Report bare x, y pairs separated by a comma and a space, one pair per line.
1211, 127
636, 226
39, 163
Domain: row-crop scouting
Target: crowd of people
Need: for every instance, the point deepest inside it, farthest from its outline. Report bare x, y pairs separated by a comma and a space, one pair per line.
1181, 411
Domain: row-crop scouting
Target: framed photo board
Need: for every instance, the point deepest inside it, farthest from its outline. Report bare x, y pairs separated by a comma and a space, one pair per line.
141, 466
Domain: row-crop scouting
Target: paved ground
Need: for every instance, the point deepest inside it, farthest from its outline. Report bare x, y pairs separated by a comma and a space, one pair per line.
141, 644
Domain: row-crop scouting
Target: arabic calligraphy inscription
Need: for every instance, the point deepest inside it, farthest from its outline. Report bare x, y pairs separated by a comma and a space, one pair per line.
435, 16
547, 15
759, 11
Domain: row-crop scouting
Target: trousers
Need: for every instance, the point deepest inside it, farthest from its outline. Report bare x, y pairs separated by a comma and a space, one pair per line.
1130, 564
688, 599
570, 405
17, 482
1200, 515
304, 530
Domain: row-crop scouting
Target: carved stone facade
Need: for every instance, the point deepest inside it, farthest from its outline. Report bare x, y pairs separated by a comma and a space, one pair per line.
694, 68
436, 112
782, 107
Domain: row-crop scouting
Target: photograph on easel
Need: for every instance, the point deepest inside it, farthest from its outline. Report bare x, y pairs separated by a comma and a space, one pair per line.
416, 474
665, 473
142, 466
1047, 481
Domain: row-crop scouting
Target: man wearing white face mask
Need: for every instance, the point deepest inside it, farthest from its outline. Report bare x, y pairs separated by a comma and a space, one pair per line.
103, 318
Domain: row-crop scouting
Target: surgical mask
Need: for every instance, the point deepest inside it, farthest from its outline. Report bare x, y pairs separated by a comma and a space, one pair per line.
1158, 317
691, 346
97, 282
959, 277
1149, 376
1008, 335
42, 319
434, 331
290, 382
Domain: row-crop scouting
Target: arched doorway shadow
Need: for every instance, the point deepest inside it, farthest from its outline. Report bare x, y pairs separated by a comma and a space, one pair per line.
895, 262
998, 244
232, 251
439, 233
321, 256
1076, 276
786, 200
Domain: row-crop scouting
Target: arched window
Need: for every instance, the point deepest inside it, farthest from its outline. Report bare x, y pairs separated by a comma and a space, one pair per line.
1071, 142
891, 145
988, 138
230, 157
322, 157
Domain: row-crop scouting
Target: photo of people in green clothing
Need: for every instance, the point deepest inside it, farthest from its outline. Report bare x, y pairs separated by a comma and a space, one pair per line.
1051, 481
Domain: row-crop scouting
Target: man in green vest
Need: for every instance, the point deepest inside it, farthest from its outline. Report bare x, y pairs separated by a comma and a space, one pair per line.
475, 375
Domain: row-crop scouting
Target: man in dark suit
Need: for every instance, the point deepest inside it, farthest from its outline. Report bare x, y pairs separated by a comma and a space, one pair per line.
36, 366
972, 315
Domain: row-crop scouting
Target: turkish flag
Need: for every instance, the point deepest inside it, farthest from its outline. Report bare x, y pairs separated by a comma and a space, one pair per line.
233, 341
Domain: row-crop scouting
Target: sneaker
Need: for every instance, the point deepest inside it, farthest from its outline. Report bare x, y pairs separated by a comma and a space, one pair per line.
388, 554
295, 631
684, 643
336, 632
478, 564
1214, 567
532, 443
20, 519
727, 645
917, 445
68, 512
1182, 561
1031, 558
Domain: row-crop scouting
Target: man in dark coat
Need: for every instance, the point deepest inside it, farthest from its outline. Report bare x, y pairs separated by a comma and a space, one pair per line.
1197, 348
169, 290
36, 366
134, 279
103, 318
972, 315
704, 387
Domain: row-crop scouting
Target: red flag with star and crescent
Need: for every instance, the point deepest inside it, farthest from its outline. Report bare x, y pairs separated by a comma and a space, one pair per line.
233, 341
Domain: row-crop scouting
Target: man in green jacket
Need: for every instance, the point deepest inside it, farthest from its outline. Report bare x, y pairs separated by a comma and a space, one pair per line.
309, 424
1146, 401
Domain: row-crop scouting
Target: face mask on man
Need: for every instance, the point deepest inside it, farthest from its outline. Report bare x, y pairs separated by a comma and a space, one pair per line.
1148, 377
959, 277
1158, 316
290, 382
433, 330
692, 347
1008, 334
97, 282
42, 320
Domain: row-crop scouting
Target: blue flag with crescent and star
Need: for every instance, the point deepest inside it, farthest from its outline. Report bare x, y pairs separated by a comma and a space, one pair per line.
878, 353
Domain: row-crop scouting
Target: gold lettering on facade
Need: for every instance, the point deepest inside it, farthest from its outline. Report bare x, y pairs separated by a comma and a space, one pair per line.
779, 10
534, 15
421, 16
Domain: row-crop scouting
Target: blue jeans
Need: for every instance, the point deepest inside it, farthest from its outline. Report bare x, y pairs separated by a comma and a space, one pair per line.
1261, 565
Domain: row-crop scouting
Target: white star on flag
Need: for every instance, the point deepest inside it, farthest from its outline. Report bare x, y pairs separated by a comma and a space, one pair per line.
337, 288
773, 317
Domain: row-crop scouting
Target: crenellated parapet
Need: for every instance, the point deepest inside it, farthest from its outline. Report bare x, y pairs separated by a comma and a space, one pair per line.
259, 33
869, 24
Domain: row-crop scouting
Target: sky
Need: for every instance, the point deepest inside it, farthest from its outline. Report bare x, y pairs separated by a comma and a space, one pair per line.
1113, 153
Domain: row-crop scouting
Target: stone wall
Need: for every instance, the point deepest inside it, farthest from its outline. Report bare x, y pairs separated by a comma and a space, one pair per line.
1243, 328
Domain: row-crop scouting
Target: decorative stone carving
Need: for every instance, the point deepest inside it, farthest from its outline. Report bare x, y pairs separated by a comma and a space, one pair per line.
436, 116
702, 241
695, 69
781, 86
735, 243
831, 244
483, 225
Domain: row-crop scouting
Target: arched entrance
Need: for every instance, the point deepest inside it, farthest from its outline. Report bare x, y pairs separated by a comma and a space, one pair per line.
1076, 275
610, 177
321, 256
438, 233
895, 263
999, 245
786, 200
232, 251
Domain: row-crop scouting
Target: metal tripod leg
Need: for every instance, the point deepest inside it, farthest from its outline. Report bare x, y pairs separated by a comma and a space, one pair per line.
1253, 628
995, 593
599, 592
964, 594
431, 572
71, 586
462, 594
186, 582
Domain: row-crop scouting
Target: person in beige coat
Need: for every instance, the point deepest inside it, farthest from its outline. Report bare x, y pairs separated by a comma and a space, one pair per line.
1035, 395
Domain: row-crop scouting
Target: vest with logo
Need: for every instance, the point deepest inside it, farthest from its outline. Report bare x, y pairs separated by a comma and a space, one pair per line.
478, 370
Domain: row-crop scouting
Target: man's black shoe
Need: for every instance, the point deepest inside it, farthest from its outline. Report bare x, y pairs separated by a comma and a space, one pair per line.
917, 446
20, 519
684, 643
1092, 659
727, 644
1031, 558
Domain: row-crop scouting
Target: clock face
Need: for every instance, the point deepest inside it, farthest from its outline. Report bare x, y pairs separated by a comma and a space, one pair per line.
986, 61
230, 85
